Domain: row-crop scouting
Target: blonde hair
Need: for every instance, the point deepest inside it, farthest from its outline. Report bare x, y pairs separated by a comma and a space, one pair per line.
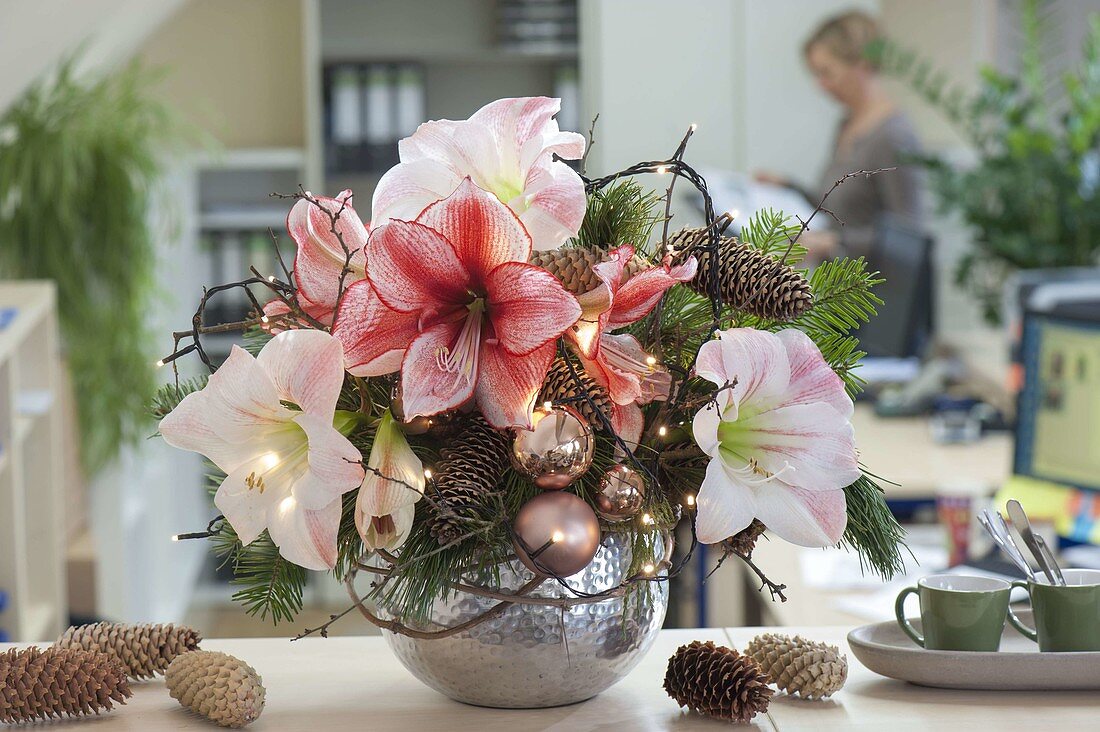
847, 36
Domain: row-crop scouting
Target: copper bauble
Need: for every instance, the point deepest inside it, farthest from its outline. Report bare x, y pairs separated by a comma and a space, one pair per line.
556, 533
620, 495
557, 450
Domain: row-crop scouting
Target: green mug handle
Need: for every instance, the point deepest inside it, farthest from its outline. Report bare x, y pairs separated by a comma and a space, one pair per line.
1016, 622
899, 611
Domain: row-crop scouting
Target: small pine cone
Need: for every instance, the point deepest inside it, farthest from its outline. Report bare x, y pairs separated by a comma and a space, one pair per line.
799, 666
37, 684
560, 386
573, 266
750, 280
469, 469
142, 650
744, 541
717, 681
224, 689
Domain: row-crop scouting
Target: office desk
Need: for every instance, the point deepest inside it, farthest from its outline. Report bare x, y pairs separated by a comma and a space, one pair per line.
355, 683
901, 450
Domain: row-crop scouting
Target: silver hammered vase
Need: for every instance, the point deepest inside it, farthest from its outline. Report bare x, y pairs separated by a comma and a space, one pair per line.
535, 655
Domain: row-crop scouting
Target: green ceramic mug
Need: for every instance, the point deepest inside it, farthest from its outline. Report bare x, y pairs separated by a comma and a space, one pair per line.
1066, 618
957, 612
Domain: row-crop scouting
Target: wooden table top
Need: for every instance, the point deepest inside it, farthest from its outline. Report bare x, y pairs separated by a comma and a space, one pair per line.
357, 684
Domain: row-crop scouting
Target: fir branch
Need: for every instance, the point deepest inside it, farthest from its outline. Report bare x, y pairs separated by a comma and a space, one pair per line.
872, 530
622, 213
168, 396
270, 586
771, 232
843, 296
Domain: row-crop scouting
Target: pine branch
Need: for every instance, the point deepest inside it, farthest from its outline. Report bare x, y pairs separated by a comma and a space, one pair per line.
843, 297
872, 530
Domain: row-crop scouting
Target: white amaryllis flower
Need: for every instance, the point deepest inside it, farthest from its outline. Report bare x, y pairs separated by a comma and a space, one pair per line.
507, 148
780, 439
387, 500
286, 467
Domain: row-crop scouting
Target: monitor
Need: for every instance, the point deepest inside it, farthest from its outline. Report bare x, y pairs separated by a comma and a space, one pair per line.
1058, 421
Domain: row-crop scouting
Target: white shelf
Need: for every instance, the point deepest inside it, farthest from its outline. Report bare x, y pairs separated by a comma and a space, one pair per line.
32, 484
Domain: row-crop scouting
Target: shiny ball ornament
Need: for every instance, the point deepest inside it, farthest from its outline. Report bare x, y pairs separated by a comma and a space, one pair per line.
557, 450
620, 494
556, 533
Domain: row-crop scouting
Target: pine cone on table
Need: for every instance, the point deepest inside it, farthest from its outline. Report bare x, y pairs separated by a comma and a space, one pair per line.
749, 280
560, 386
717, 681
573, 266
469, 469
143, 651
37, 684
220, 687
799, 666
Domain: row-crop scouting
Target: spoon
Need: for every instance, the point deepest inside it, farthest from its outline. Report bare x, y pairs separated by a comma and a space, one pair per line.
1009, 549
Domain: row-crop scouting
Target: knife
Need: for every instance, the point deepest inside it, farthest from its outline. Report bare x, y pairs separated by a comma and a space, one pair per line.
1023, 527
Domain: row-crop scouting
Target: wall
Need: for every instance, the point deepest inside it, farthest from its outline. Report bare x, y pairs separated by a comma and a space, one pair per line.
235, 69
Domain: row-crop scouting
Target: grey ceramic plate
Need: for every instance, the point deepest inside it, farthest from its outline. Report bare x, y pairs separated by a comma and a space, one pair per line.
886, 650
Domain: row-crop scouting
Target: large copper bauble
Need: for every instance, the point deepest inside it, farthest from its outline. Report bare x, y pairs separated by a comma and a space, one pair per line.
620, 495
557, 450
556, 533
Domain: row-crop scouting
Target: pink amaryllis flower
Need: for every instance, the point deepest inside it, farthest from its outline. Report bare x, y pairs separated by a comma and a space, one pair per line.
451, 301
506, 148
286, 467
320, 258
617, 361
781, 444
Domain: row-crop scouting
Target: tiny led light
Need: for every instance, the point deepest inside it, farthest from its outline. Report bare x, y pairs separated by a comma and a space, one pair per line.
427, 473
557, 536
733, 213
662, 430
647, 519
651, 360
662, 169
548, 406
160, 363
271, 278
694, 127
689, 499
649, 569
175, 537
265, 319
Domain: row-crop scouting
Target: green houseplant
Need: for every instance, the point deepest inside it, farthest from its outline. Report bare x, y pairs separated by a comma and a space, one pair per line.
78, 163
1031, 198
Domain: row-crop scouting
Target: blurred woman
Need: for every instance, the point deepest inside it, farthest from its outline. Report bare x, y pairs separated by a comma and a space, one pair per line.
873, 134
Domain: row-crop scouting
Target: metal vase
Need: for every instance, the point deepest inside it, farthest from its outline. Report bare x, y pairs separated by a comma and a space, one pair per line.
534, 655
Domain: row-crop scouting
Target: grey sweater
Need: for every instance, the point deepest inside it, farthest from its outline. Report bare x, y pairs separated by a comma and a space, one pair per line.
861, 201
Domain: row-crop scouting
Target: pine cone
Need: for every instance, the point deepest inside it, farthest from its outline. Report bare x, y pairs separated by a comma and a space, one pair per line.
573, 266
224, 689
750, 280
469, 469
560, 385
143, 651
37, 684
717, 681
744, 541
799, 666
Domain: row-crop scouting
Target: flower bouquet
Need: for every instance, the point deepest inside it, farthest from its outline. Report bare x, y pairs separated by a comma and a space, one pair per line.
502, 396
